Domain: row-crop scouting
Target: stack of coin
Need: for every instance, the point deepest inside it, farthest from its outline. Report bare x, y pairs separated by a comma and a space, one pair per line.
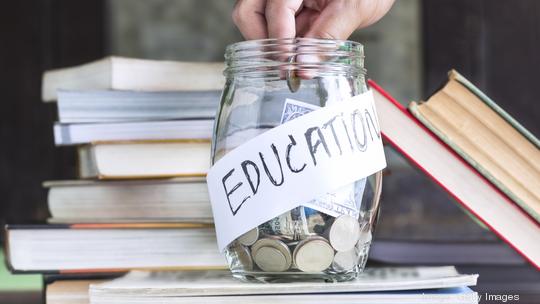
271, 255
303, 240
344, 235
313, 254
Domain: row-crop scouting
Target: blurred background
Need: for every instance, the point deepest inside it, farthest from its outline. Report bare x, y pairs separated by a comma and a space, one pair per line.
494, 43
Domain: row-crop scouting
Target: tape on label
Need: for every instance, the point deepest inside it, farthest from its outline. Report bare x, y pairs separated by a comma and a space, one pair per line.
294, 163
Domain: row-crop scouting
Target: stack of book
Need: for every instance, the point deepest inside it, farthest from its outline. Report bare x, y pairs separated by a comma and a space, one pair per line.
143, 131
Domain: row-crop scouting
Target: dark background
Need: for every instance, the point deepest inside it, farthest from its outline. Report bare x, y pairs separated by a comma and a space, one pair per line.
494, 43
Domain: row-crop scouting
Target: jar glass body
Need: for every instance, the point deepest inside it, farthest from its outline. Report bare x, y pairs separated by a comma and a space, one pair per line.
261, 75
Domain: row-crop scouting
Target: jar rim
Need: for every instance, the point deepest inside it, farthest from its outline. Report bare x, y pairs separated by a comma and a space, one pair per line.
254, 58
290, 41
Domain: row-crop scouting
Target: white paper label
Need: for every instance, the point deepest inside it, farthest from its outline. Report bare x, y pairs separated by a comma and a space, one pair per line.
341, 201
293, 163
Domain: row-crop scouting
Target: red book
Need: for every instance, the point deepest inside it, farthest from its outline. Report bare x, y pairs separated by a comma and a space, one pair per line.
438, 161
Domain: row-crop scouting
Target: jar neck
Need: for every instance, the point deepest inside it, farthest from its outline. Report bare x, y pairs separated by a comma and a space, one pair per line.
270, 58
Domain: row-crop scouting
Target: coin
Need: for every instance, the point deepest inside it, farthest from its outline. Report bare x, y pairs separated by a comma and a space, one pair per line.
365, 235
249, 238
293, 81
271, 255
243, 256
344, 233
313, 254
345, 260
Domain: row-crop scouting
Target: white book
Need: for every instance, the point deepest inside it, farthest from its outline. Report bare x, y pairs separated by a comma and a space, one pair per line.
119, 73
101, 106
112, 247
84, 201
375, 285
75, 134
460, 295
135, 160
77, 292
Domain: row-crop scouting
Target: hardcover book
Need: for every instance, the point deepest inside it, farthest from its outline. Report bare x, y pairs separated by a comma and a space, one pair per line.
448, 169
487, 137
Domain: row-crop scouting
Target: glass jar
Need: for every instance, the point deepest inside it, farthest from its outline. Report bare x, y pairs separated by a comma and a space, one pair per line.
302, 243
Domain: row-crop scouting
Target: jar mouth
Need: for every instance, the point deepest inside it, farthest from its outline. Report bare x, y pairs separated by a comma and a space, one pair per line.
264, 57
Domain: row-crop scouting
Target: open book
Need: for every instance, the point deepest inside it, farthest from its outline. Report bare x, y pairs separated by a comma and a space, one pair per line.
375, 285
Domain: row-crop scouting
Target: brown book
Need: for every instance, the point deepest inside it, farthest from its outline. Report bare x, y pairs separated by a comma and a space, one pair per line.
486, 137
69, 291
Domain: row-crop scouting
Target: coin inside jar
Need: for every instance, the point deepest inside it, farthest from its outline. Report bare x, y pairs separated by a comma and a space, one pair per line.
271, 255
313, 255
293, 81
243, 255
249, 238
365, 235
345, 260
344, 233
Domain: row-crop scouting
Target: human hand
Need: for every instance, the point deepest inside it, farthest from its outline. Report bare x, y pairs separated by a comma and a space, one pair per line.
331, 19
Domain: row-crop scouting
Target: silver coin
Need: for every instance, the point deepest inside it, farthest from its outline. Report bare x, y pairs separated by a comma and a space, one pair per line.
345, 260
243, 256
249, 238
344, 233
270, 259
293, 81
271, 255
365, 235
313, 254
